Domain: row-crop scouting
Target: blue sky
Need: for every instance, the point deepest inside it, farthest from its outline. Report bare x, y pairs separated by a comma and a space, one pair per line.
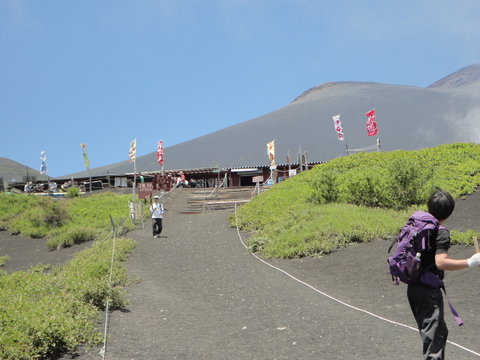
106, 72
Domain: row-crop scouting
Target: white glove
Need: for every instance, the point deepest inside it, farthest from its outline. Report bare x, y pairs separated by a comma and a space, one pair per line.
474, 260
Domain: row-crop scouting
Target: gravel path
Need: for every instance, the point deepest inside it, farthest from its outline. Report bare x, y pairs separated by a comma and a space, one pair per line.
202, 296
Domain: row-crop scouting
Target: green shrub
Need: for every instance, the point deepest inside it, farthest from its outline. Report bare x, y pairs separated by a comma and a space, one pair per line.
71, 236
355, 198
65, 221
45, 314
410, 182
4, 259
325, 188
366, 188
12, 205
39, 218
72, 192
39, 319
391, 181
464, 238
55, 214
48, 313
30, 224
92, 284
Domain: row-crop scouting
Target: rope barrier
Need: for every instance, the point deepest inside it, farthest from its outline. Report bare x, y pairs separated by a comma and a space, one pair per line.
337, 300
365, 148
214, 189
107, 307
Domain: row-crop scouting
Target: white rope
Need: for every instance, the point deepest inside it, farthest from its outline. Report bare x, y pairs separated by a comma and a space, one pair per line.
106, 237
214, 189
335, 299
365, 148
105, 333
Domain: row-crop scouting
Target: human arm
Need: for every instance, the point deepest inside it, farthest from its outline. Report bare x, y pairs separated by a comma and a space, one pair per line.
443, 262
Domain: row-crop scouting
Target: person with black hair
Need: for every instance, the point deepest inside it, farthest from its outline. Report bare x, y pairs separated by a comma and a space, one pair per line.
427, 302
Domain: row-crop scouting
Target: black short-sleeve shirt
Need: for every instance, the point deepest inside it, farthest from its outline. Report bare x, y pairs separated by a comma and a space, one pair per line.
438, 243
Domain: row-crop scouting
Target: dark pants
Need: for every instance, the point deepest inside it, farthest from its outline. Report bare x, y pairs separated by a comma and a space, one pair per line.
156, 226
427, 307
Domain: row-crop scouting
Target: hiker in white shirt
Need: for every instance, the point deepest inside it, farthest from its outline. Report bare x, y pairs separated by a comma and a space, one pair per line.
156, 209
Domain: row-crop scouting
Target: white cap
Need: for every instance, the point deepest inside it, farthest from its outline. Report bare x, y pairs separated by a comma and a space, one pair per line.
156, 197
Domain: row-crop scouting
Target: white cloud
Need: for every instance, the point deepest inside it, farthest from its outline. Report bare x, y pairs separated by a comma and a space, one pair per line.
469, 128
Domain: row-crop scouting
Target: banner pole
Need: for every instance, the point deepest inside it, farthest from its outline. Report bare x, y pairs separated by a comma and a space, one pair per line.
134, 170
134, 178
90, 174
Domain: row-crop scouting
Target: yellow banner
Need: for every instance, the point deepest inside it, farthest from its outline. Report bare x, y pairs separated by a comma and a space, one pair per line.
271, 152
85, 157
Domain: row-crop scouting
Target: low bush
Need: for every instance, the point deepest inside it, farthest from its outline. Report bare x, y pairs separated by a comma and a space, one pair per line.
464, 238
39, 319
12, 205
92, 283
37, 217
4, 259
389, 181
45, 314
72, 192
71, 236
317, 230
65, 222
355, 198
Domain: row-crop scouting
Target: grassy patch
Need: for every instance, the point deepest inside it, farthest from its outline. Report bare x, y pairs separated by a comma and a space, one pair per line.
48, 313
64, 222
4, 259
355, 198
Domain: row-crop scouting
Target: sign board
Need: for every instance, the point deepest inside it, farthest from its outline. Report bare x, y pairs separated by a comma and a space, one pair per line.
162, 182
144, 190
292, 172
257, 179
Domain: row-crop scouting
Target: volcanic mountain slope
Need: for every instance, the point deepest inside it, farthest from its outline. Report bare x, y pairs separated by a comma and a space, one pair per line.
408, 118
10, 170
465, 76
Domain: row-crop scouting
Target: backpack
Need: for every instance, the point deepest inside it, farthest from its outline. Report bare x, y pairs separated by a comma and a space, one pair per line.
405, 263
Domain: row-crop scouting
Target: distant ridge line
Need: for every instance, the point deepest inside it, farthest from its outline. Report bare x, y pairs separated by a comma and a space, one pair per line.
465, 76
329, 85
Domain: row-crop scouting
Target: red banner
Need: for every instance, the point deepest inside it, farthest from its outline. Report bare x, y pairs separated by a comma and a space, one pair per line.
371, 124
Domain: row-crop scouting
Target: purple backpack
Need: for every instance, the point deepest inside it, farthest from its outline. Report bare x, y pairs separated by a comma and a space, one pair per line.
405, 263
411, 242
